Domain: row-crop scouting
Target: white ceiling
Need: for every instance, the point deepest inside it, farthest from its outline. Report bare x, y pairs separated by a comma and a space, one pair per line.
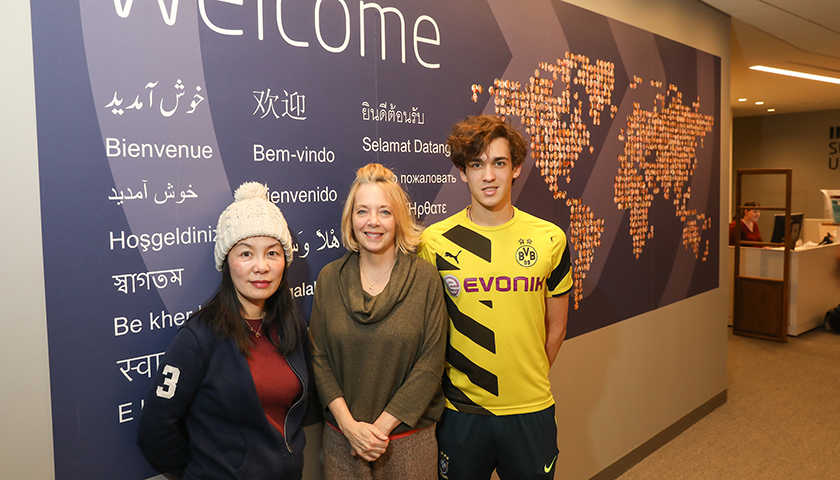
801, 35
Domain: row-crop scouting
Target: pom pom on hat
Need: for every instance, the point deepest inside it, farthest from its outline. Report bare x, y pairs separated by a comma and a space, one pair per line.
251, 215
250, 190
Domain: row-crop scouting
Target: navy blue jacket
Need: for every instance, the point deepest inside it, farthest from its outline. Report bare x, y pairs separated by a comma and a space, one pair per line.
202, 417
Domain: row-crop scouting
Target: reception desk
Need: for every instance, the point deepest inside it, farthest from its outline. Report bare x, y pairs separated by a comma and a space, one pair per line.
814, 229
814, 280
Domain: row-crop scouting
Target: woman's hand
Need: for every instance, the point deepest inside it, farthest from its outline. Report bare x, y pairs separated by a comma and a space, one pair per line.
386, 422
366, 440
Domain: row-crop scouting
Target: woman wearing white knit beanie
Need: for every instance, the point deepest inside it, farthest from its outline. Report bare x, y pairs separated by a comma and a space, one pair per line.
230, 397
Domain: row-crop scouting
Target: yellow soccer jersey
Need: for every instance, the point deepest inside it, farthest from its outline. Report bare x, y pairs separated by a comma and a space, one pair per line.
496, 280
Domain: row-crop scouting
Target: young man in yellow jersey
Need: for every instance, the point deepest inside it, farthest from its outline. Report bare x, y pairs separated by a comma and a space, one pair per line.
506, 276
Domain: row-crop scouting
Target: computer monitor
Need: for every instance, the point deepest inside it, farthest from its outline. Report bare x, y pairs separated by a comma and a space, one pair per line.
796, 220
832, 205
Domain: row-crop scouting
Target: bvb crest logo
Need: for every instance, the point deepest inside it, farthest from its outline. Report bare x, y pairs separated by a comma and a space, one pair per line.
443, 464
526, 255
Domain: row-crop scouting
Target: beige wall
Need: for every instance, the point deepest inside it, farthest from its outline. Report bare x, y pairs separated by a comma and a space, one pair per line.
25, 424
799, 141
616, 387
619, 386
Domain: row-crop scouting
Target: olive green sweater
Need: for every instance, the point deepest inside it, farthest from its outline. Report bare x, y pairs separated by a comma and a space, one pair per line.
384, 352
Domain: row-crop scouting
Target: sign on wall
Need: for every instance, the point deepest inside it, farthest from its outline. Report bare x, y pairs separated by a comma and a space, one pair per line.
151, 113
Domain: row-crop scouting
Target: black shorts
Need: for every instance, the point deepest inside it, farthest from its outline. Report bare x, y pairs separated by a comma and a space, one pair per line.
520, 446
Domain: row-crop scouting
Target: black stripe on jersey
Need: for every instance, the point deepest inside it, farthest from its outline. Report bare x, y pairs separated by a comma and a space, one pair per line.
460, 399
471, 329
442, 264
561, 271
488, 303
477, 375
471, 241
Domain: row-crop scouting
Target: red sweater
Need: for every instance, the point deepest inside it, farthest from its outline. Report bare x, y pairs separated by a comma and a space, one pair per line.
746, 234
277, 385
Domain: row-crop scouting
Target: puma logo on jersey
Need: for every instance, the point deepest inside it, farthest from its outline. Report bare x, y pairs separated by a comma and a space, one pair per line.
453, 257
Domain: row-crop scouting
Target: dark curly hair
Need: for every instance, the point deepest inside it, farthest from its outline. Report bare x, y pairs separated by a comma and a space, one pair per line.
471, 136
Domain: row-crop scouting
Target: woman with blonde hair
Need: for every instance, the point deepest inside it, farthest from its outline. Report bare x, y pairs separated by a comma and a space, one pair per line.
378, 332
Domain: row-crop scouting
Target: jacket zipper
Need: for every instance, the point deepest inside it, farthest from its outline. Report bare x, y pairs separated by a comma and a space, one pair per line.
302, 397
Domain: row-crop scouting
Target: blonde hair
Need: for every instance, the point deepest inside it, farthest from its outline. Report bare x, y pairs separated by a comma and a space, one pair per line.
407, 236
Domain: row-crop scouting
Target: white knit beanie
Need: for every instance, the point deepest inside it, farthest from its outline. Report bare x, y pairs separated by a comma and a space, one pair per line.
251, 215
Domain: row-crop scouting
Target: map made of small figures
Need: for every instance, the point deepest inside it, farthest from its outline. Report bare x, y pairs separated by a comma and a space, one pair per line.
660, 143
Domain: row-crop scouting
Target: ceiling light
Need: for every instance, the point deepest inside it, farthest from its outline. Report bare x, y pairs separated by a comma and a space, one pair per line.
771, 109
742, 99
792, 73
759, 103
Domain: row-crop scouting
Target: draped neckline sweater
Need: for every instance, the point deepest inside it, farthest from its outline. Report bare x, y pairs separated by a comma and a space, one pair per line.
383, 352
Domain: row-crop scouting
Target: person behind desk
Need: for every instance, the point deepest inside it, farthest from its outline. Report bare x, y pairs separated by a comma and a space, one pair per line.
749, 225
